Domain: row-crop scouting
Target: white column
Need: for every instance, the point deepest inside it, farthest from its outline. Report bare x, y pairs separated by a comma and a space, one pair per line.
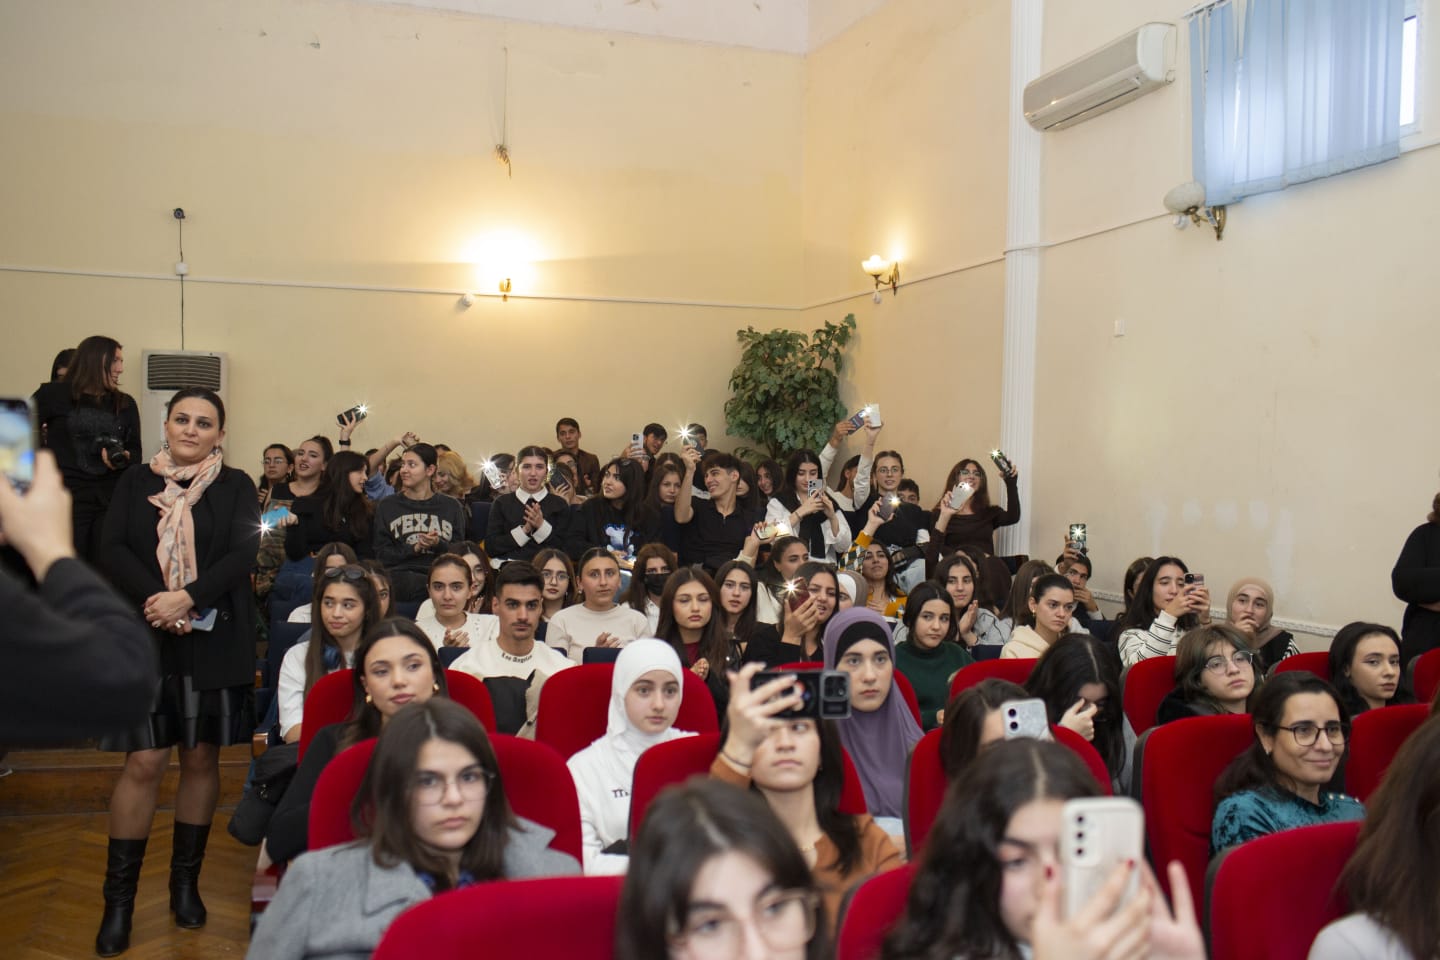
1022, 268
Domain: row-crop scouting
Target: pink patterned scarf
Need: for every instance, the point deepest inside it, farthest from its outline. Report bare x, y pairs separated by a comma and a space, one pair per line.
176, 552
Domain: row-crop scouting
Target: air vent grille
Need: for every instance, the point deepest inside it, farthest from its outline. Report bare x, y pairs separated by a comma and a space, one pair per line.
176, 371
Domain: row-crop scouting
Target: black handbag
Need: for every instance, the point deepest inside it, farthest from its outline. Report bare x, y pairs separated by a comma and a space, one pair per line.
270, 775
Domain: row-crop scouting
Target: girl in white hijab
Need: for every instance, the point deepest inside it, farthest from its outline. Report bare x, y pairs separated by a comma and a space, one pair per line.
644, 700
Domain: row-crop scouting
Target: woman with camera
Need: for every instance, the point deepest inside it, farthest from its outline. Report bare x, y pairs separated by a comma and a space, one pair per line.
93, 427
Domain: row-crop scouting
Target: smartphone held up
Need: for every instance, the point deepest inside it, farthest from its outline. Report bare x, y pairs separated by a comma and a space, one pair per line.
17, 441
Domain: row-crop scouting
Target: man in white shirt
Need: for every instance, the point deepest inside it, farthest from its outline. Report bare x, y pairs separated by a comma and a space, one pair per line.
512, 664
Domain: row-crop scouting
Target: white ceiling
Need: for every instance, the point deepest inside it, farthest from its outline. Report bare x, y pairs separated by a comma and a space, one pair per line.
786, 26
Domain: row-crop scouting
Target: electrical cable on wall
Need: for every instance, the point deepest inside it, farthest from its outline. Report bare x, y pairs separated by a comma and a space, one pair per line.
181, 268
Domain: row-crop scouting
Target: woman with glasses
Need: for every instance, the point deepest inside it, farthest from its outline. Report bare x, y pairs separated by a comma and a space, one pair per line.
1365, 667
343, 609
972, 526
716, 875
432, 816
1301, 732
1216, 672
275, 466
903, 527
179, 543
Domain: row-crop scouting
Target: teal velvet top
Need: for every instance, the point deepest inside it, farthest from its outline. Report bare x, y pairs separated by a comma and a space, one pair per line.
1255, 813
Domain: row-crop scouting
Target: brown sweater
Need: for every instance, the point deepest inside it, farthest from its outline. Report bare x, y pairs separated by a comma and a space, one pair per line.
878, 853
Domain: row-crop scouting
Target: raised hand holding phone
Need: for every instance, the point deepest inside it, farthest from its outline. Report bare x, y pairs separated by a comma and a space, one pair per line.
961, 495
37, 524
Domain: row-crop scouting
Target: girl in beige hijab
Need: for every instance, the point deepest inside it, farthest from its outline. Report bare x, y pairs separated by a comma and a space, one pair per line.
1251, 606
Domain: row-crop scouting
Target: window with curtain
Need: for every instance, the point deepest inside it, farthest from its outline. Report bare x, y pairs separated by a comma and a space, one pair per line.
1285, 91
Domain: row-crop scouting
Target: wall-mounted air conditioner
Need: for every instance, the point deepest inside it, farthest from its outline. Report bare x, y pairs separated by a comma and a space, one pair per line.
1139, 62
166, 371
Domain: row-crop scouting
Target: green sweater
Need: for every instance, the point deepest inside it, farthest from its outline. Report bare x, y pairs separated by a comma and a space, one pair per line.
930, 672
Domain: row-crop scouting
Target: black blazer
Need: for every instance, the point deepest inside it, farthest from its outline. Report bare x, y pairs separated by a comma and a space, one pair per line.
230, 513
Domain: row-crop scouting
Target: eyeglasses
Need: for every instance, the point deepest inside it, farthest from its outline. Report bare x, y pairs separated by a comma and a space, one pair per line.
1306, 734
430, 788
274, 461
559, 576
785, 920
967, 472
1218, 664
349, 571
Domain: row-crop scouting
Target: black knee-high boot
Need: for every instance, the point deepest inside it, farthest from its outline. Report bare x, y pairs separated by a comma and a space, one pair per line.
185, 860
122, 876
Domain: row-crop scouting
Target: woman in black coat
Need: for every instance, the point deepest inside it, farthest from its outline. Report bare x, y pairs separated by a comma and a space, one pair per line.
178, 542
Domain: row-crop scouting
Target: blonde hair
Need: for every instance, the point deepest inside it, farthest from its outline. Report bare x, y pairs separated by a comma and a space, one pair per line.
452, 465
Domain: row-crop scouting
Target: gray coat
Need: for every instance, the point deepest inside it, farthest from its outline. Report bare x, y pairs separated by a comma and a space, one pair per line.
336, 903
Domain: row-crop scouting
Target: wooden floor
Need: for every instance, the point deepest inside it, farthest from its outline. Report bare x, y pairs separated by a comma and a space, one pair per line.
52, 865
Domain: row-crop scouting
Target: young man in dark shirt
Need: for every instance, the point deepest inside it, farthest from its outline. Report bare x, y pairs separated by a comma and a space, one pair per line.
567, 434
416, 524
713, 531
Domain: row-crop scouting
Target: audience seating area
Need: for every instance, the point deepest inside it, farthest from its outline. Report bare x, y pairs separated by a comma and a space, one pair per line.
574, 705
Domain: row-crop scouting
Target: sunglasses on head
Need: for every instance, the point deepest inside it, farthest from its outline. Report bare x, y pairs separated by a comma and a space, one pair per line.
349, 571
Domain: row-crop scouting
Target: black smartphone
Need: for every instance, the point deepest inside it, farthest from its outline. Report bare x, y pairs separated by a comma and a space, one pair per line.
17, 441
359, 412
887, 506
557, 478
825, 693
1002, 462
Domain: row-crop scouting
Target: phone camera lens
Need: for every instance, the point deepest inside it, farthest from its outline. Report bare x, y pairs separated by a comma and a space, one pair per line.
1079, 851
1080, 818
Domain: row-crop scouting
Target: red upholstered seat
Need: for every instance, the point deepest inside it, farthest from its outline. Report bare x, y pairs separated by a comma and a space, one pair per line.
1016, 671
1375, 738
1178, 768
537, 784
925, 786
1145, 684
575, 705
570, 917
1317, 663
1427, 675
874, 909
1300, 866
330, 700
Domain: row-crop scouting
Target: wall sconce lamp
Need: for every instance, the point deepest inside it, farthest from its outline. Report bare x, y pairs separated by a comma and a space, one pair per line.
468, 300
884, 271
1188, 200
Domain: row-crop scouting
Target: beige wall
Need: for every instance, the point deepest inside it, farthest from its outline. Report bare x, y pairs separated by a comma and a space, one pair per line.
1271, 407
905, 131
333, 143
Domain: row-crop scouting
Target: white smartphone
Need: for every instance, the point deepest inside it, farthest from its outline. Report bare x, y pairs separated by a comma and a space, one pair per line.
813, 487
1097, 834
1025, 718
962, 492
637, 444
872, 414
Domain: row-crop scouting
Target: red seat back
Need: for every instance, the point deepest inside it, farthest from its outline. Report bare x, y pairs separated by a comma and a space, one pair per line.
329, 701
1016, 671
1086, 751
537, 784
1427, 675
925, 786
1179, 766
1374, 740
571, 917
875, 907
908, 692
1301, 866
334, 793
575, 706
1145, 684
1317, 663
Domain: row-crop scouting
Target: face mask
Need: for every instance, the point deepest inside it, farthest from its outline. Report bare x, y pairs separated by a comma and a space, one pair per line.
655, 582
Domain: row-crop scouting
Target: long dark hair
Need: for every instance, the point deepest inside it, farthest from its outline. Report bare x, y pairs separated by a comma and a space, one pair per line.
744, 627
754, 499
381, 810
965, 720
714, 642
1191, 654
827, 787
61, 363
484, 490
289, 465
637, 596
365, 720
953, 909
481, 602
351, 575
1073, 661
658, 471
89, 371
980, 499
889, 585
631, 507
1133, 573
685, 828
1255, 769
1391, 877
341, 507
807, 571
769, 573
925, 593
1141, 612
542, 559
1342, 656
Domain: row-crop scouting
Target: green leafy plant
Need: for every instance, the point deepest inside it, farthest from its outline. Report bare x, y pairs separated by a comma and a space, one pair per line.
786, 388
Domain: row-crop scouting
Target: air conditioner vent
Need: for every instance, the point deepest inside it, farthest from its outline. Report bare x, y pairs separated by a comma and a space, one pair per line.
178, 371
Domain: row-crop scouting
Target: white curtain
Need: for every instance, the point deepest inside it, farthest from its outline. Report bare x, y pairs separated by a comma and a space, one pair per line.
1285, 91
